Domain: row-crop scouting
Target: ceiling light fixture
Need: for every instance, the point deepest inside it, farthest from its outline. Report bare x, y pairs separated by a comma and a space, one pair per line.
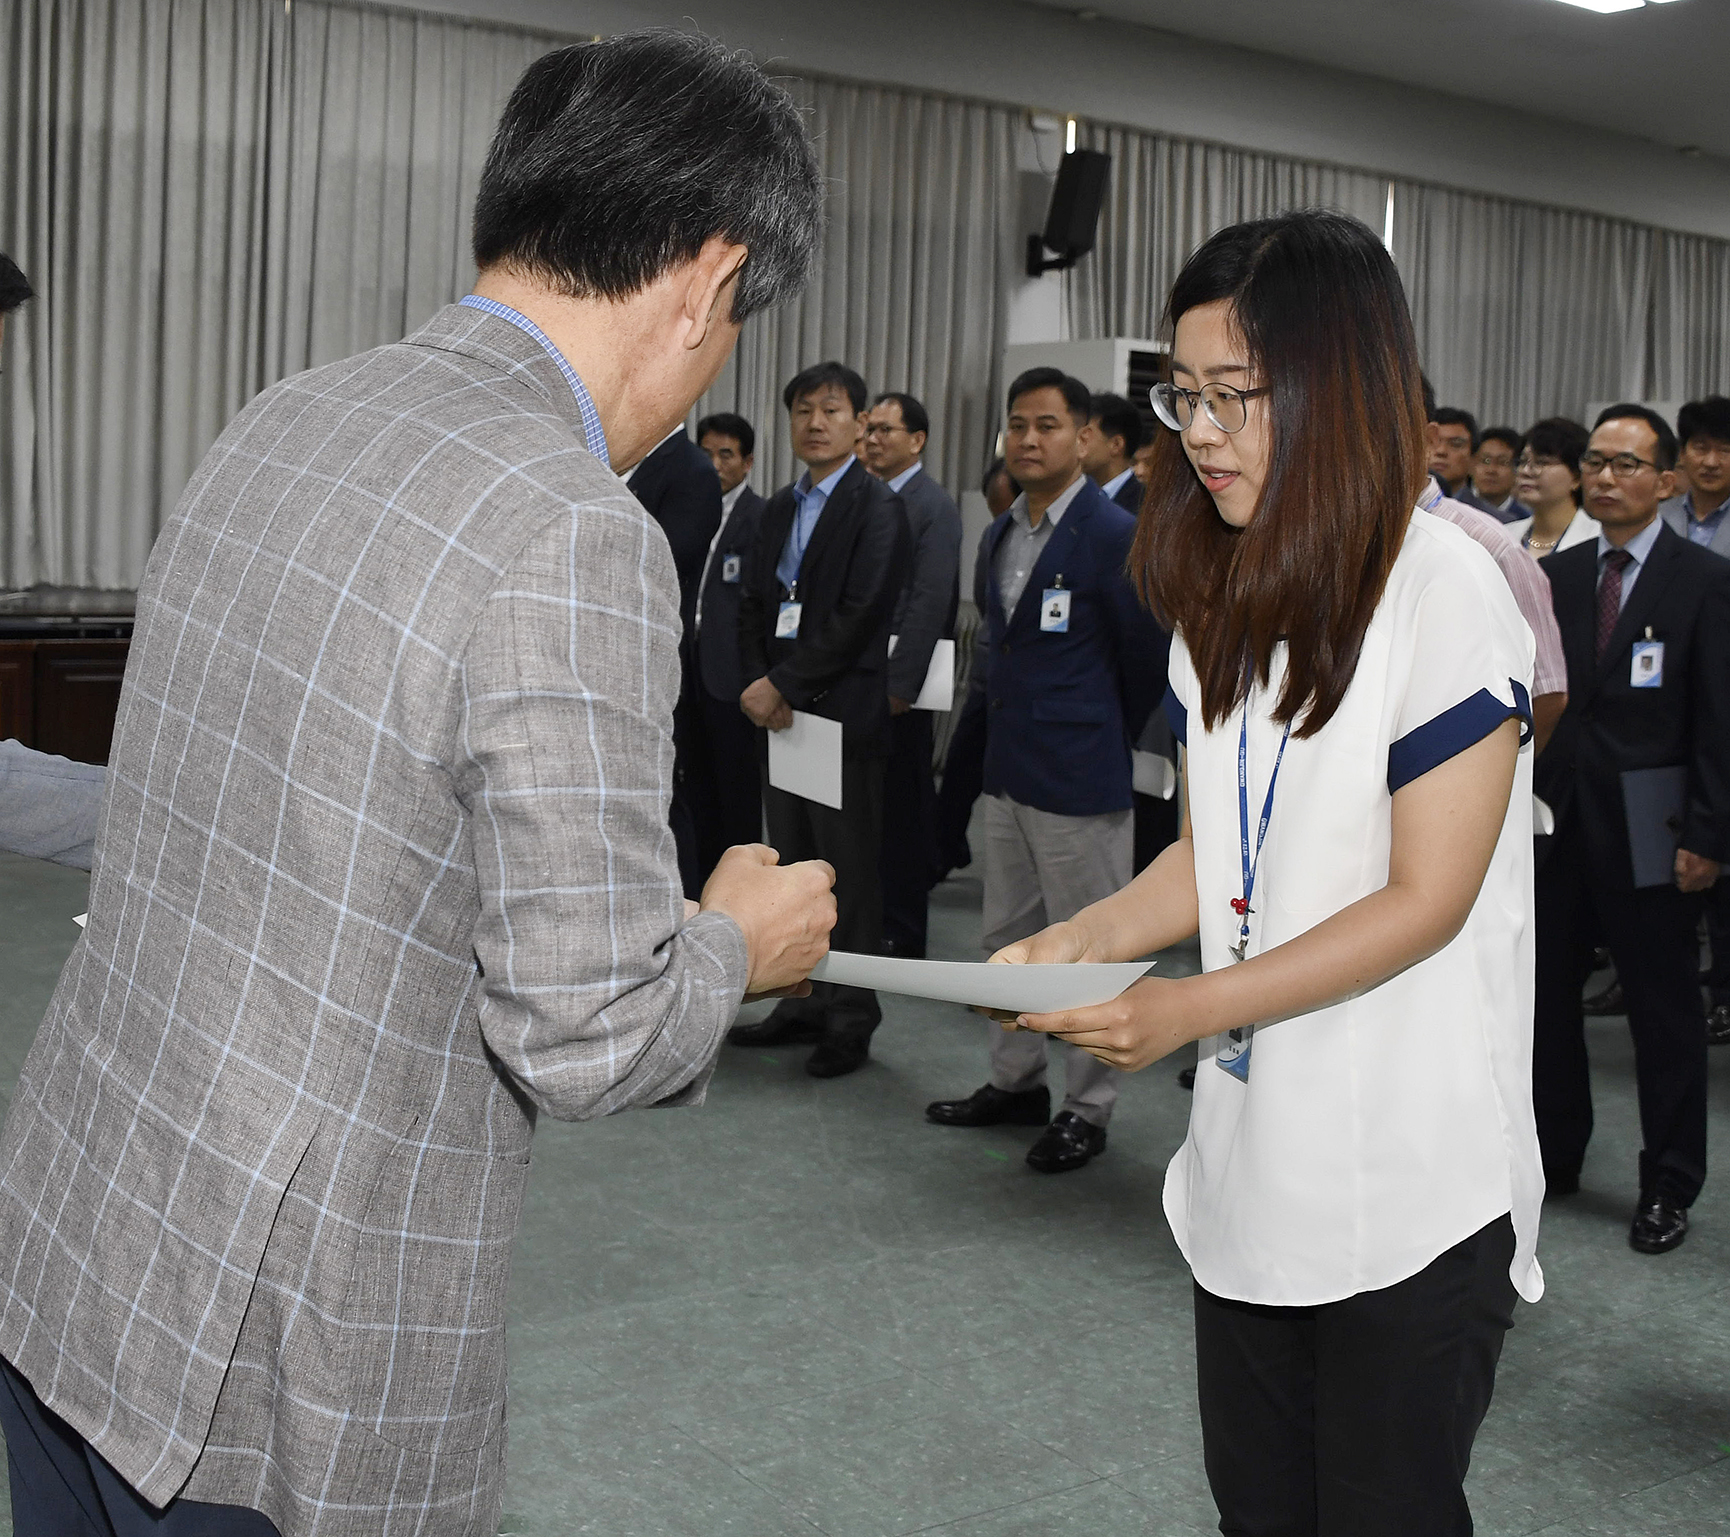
1609, 7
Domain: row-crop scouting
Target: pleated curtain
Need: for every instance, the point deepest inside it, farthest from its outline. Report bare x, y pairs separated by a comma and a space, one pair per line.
212, 194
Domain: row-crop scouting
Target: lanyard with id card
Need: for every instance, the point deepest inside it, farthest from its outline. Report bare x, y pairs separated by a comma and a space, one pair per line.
1646, 670
787, 616
732, 569
1054, 609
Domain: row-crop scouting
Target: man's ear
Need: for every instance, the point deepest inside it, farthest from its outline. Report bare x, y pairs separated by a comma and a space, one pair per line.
1666, 485
918, 444
709, 286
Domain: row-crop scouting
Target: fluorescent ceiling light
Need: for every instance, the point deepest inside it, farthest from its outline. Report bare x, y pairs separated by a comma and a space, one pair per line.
1605, 7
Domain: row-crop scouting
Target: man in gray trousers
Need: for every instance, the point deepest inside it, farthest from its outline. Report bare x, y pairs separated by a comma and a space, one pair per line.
48, 805
385, 868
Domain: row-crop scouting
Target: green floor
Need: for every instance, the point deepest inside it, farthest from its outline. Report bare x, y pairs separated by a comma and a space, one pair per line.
804, 1310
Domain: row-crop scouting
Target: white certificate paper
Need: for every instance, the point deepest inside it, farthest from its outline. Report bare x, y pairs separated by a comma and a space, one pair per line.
937, 692
805, 759
1019, 989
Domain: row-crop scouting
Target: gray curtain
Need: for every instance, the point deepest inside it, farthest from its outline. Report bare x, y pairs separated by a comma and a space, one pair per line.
1166, 196
209, 195
917, 265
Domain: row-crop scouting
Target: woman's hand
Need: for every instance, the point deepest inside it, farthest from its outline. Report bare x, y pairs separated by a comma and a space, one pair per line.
1062, 944
1149, 1021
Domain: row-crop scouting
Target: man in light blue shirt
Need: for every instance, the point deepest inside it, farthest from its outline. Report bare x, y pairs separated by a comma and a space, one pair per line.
1703, 427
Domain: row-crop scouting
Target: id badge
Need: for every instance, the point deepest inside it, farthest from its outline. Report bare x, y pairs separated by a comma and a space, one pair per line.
1647, 670
1054, 611
731, 567
787, 621
1232, 1053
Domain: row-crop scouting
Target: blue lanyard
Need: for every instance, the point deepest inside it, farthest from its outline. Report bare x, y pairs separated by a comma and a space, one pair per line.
1251, 863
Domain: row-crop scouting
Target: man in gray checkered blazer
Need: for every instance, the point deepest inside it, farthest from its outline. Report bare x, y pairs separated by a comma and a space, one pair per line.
384, 868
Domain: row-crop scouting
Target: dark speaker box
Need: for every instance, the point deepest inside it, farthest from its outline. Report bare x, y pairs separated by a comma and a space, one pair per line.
1073, 219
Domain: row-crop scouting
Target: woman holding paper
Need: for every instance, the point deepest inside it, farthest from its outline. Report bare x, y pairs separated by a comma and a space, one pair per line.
1358, 1194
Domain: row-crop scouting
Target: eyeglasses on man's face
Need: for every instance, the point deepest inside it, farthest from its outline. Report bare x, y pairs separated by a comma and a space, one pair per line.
1226, 407
1622, 466
883, 430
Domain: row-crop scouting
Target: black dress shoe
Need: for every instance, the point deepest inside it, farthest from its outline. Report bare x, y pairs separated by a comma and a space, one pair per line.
1609, 1001
1718, 1025
1660, 1224
991, 1106
786, 1026
1069, 1143
839, 1053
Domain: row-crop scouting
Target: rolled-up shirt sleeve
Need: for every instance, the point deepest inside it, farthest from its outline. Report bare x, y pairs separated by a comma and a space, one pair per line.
597, 994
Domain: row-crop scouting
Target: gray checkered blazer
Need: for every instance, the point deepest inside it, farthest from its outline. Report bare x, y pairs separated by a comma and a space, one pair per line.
383, 870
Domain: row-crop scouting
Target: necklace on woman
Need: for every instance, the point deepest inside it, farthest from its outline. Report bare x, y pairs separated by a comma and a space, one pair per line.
1542, 546
1251, 862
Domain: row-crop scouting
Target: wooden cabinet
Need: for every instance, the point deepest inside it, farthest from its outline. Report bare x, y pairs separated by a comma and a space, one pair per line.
60, 696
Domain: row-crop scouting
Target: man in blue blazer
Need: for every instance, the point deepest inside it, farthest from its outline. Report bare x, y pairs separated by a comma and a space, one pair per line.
1075, 665
1115, 431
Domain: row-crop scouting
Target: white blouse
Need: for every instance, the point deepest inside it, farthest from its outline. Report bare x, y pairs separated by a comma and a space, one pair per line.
1579, 530
1352, 1145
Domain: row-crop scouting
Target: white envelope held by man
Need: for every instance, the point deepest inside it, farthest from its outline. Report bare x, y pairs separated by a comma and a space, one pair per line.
1013, 989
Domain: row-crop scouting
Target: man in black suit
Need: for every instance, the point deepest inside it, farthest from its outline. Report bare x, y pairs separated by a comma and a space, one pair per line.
814, 624
727, 784
1645, 621
895, 436
1114, 432
679, 489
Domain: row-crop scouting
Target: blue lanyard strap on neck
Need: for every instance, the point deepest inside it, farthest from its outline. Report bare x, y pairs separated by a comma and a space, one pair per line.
1251, 862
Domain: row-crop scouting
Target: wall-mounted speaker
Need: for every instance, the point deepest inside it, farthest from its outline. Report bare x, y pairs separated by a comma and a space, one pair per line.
1072, 222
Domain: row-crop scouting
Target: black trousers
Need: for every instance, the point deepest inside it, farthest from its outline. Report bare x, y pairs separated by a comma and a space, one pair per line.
1652, 936
1356, 1418
963, 783
909, 825
1718, 937
851, 840
1157, 825
62, 1488
717, 784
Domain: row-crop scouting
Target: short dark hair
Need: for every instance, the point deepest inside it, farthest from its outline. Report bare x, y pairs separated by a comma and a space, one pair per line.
1505, 435
1629, 411
15, 288
1708, 418
1453, 416
616, 160
998, 466
913, 415
729, 424
1119, 419
1560, 438
809, 380
1076, 395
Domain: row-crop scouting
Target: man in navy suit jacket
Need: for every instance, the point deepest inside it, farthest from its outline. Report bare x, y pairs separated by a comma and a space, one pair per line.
1115, 431
1075, 665
726, 787
679, 489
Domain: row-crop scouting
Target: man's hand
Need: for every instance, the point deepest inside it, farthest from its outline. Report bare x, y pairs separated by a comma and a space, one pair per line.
762, 701
898, 706
785, 913
1694, 872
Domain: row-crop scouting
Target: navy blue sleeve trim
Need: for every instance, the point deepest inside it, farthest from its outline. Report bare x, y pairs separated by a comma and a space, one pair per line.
1176, 715
1453, 731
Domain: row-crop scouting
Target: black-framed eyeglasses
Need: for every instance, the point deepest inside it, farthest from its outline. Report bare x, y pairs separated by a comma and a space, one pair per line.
1622, 466
1225, 406
885, 429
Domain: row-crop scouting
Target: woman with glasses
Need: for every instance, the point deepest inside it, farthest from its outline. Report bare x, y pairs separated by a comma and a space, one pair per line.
1358, 1194
1547, 479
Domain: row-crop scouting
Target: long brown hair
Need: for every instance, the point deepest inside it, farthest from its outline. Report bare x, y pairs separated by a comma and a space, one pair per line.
1319, 306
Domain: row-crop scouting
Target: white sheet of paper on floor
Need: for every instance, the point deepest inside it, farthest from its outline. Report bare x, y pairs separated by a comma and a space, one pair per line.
1153, 775
805, 759
1022, 989
80, 918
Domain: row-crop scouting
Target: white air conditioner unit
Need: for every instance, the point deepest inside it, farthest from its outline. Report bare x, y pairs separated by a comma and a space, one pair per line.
1122, 365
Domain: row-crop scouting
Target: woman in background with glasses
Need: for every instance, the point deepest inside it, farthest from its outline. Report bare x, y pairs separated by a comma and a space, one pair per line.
1358, 1194
1547, 479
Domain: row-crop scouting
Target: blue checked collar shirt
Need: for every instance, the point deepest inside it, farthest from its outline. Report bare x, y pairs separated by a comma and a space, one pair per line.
810, 500
596, 438
1703, 530
1640, 546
